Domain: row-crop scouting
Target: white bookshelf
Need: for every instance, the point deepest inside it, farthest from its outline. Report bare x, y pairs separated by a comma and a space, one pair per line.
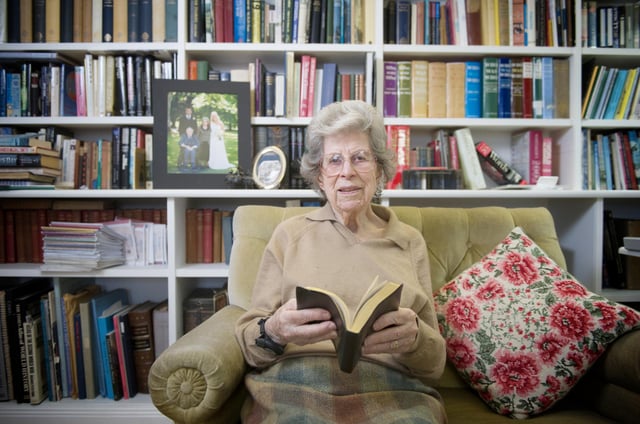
577, 213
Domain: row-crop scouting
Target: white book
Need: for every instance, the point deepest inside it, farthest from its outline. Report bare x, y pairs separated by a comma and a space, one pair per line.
161, 328
101, 84
280, 87
96, 22
632, 243
89, 83
469, 162
55, 91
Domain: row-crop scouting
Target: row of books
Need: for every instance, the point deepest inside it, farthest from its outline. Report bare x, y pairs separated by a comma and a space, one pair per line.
611, 160
28, 160
103, 85
610, 25
549, 23
78, 21
454, 159
278, 21
495, 87
610, 92
304, 87
619, 271
291, 141
21, 222
73, 339
124, 161
209, 235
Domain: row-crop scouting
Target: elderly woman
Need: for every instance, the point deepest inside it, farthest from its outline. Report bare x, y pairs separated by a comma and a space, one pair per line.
343, 246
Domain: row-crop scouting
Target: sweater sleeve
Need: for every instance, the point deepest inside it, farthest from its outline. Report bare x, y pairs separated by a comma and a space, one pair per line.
267, 297
428, 356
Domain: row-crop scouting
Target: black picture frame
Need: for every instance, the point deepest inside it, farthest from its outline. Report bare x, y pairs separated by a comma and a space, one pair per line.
177, 167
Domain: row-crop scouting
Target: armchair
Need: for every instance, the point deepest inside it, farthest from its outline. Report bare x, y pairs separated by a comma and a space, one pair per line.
199, 379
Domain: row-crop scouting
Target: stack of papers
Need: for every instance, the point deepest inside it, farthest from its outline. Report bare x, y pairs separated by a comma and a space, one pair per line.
79, 246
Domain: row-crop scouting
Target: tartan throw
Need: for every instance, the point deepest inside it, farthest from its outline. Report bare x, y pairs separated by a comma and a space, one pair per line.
314, 390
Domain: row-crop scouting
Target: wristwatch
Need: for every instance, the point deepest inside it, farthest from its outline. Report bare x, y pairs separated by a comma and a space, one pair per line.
266, 342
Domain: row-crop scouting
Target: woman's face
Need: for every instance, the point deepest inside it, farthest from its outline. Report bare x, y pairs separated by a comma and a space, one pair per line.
348, 175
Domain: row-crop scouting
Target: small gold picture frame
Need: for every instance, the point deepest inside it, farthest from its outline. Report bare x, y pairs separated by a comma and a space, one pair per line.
269, 167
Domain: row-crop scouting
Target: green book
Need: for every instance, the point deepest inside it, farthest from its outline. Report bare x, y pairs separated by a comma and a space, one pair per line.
404, 89
490, 87
538, 105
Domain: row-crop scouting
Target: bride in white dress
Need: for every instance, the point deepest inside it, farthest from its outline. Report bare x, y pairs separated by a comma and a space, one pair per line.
217, 151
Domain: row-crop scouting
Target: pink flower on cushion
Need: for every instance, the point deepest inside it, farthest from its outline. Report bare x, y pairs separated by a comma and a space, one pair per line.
631, 317
571, 320
569, 288
553, 384
609, 315
491, 290
461, 352
462, 314
519, 269
516, 372
549, 346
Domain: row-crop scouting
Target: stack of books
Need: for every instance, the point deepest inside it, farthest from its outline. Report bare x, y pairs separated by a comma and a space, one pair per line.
27, 161
76, 246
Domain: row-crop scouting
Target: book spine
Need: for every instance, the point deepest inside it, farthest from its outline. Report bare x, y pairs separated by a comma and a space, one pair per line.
496, 167
473, 89
504, 87
171, 20
145, 20
107, 21
404, 89
490, 87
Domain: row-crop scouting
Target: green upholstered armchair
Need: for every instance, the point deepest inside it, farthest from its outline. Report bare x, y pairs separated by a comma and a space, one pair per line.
199, 379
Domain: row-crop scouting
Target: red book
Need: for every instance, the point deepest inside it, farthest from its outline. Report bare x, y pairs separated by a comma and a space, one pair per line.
311, 89
527, 87
207, 235
399, 141
218, 14
454, 159
305, 66
228, 21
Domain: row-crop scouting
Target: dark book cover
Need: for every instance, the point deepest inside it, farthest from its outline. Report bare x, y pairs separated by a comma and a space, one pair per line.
196, 25
66, 21
120, 96
68, 102
496, 167
145, 20
107, 21
20, 300
114, 365
504, 87
133, 21
141, 326
354, 327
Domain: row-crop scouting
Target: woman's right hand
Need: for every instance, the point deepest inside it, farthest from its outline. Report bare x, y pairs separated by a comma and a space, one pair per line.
302, 327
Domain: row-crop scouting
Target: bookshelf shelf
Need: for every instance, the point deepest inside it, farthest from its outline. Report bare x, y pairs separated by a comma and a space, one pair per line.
577, 212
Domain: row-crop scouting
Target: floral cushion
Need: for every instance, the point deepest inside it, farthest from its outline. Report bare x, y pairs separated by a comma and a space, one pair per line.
521, 331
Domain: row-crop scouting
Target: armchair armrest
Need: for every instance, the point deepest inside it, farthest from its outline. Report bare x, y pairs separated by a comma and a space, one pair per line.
193, 380
614, 385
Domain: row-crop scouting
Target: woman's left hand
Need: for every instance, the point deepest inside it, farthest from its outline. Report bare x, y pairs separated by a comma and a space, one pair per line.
393, 332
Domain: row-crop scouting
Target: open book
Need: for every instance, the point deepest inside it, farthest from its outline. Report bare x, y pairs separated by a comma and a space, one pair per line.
353, 326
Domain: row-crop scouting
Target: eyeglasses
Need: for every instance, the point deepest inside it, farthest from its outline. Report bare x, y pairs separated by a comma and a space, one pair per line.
362, 161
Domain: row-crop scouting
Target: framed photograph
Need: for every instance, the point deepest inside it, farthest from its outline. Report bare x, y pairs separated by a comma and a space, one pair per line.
201, 132
269, 167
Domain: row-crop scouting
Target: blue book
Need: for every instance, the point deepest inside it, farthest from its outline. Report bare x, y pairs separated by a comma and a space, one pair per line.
635, 151
616, 94
3, 92
596, 164
329, 81
473, 89
504, 87
13, 94
548, 96
68, 105
110, 301
606, 156
48, 347
240, 21
294, 21
171, 21
403, 22
337, 22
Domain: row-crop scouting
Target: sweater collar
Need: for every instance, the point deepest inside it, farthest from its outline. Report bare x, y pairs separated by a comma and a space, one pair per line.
395, 230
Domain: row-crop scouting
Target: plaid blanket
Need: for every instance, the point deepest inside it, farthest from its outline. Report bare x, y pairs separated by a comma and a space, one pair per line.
314, 390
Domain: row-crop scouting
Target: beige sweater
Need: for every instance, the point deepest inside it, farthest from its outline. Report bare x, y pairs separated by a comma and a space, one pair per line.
316, 250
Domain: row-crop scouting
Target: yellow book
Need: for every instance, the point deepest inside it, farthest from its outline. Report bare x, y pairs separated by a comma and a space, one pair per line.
626, 94
353, 326
455, 89
437, 84
419, 88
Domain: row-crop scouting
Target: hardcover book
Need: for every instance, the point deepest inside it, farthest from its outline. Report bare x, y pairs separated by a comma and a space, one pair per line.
490, 87
496, 167
353, 326
390, 89
469, 161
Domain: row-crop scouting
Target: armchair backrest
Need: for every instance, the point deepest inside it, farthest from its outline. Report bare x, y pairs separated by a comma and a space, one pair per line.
456, 238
